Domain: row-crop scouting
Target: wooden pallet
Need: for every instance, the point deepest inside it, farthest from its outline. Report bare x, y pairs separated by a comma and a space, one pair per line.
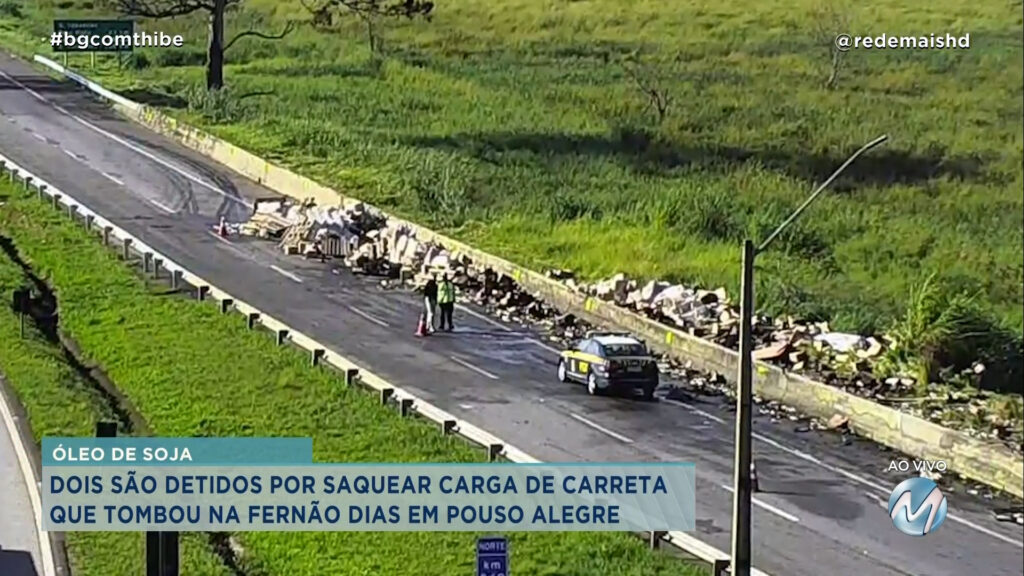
295, 237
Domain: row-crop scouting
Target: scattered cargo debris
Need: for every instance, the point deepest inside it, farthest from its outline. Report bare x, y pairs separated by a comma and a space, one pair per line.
367, 243
851, 362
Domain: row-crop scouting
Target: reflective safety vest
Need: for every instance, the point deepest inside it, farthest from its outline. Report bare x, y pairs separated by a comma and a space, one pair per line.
446, 293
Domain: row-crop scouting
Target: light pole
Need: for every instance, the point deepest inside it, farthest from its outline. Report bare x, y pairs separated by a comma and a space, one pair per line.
740, 563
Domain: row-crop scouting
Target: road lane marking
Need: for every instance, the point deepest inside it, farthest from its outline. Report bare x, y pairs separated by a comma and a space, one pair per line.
112, 179
39, 137
874, 498
777, 511
126, 143
983, 530
707, 415
164, 207
33, 488
849, 475
369, 317
474, 368
600, 428
72, 154
233, 248
885, 491
501, 326
204, 184
162, 162
285, 273
483, 317
545, 346
221, 238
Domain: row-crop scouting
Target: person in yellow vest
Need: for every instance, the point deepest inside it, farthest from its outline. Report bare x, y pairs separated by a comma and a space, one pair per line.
446, 301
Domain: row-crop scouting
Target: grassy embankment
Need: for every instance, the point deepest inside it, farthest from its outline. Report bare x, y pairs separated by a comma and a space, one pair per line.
516, 128
61, 400
157, 349
512, 126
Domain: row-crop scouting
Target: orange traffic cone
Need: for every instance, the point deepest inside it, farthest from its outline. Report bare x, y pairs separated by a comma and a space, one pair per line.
421, 327
222, 228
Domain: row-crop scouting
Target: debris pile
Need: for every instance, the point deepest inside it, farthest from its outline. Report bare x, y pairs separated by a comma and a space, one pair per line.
270, 219
848, 361
307, 229
367, 243
494, 291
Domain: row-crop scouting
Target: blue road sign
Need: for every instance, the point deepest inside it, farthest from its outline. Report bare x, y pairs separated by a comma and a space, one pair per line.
492, 556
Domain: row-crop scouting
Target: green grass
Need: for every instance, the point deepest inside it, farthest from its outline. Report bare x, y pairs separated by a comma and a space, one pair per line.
60, 402
192, 372
512, 126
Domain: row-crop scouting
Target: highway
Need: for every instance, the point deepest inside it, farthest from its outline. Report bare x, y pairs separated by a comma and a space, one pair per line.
20, 553
821, 505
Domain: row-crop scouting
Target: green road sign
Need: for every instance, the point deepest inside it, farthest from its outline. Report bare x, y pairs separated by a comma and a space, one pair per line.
92, 35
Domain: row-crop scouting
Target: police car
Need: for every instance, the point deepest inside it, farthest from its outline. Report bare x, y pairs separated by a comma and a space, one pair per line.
610, 361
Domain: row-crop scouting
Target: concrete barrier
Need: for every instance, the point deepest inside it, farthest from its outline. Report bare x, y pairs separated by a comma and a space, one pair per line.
989, 462
409, 402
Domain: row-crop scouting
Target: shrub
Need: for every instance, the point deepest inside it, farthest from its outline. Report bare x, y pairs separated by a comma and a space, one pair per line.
180, 57
218, 106
12, 9
710, 215
940, 329
139, 61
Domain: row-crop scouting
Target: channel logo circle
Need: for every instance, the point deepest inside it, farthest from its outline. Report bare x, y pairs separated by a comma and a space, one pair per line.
917, 506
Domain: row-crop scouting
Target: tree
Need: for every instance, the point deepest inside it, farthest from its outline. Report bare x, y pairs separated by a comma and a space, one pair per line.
651, 86
216, 10
369, 11
832, 20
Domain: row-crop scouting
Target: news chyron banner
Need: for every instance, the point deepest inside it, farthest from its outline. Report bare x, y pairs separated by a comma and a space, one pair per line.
272, 484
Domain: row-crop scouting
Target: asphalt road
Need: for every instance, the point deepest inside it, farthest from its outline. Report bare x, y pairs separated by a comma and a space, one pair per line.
821, 508
19, 538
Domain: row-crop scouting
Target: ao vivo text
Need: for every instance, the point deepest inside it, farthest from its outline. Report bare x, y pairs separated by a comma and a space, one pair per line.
917, 466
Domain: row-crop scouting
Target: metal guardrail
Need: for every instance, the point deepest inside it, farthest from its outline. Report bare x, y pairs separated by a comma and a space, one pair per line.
388, 392
984, 461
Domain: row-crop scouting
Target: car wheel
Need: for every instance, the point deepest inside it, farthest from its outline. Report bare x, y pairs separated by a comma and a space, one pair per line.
562, 375
649, 393
592, 385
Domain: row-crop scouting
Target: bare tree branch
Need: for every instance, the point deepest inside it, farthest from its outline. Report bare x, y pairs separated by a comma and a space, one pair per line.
657, 96
388, 8
286, 31
255, 94
161, 8
216, 11
831, 19
369, 11
322, 16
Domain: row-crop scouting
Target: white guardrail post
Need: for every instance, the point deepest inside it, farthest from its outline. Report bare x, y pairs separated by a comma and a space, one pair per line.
495, 446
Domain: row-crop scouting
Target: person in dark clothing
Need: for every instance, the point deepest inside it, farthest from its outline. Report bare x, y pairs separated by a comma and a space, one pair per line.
430, 302
446, 300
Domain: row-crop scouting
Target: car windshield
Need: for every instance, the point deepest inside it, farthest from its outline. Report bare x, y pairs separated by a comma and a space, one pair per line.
614, 350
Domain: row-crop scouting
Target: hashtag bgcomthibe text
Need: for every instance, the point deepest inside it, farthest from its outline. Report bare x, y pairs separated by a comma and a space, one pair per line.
124, 41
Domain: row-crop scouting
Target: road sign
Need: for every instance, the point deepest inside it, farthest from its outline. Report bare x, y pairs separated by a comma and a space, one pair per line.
492, 556
103, 35
21, 302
